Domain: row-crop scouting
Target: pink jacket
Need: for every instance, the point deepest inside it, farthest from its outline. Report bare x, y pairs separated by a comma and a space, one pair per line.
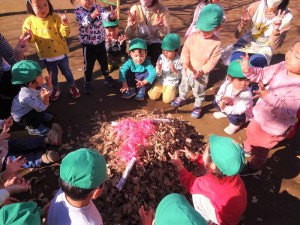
277, 111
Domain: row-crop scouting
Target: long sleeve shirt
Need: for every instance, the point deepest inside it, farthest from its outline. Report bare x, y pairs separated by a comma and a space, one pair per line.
146, 27
6, 52
201, 53
91, 31
277, 111
228, 194
129, 65
242, 100
28, 99
49, 35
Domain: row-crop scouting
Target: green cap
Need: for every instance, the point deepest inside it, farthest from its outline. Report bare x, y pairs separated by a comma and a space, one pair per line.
110, 24
171, 42
23, 213
235, 70
84, 168
137, 43
226, 154
25, 71
176, 210
210, 17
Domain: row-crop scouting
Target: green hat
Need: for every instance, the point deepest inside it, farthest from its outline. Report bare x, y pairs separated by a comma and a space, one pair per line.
84, 168
25, 71
171, 42
176, 210
109, 23
226, 154
210, 17
23, 213
137, 43
235, 70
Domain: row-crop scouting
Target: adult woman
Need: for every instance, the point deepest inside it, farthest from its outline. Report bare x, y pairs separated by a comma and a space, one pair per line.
149, 20
262, 29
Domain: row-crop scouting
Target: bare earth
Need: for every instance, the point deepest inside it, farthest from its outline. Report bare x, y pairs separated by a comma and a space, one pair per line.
273, 197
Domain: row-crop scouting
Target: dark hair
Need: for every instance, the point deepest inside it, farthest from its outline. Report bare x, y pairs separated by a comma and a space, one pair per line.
75, 193
153, 3
139, 49
72, 1
283, 5
30, 9
205, 1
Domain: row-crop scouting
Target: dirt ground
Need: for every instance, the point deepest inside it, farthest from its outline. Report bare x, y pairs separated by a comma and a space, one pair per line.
273, 196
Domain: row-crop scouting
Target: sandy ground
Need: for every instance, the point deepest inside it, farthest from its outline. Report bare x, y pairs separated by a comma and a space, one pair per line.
273, 197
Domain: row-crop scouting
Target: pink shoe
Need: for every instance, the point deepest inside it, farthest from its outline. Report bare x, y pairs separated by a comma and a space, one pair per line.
74, 92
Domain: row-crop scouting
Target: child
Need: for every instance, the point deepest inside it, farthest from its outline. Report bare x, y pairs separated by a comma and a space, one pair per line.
137, 71
115, 44
168, 70
89, 16
220, 195
29, 106
275, 112
195, 66
173, 209
49, 31
201, 4
234, 99
82, 177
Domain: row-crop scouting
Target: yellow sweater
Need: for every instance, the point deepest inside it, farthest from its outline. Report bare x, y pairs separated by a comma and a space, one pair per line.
49, 35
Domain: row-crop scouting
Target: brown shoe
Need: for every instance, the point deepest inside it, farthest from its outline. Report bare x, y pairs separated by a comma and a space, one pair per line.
50, 157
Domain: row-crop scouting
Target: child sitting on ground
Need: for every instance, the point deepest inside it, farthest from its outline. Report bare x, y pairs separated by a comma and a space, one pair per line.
234, 99
115, 44
220, 195
29, 106
173, 209
200, 54
137, 71
82, 176
275, 113
168, 70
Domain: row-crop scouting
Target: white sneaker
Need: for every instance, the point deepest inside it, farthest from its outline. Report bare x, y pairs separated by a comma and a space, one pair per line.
231, 129
219, 115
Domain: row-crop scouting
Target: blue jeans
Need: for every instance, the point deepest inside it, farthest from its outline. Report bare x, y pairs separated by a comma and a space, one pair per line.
131, 78
63, 65
234, 119
29, 148
256, 60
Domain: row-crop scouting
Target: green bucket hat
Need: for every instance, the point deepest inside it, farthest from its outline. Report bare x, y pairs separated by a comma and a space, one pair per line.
25, 71
210, 17
171, 42
235, 70
137, 43
176, 210
23, 213
226, 154
84, 168
110, 24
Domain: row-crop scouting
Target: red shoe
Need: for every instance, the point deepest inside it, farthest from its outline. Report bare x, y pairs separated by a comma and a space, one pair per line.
55, 94
74, 92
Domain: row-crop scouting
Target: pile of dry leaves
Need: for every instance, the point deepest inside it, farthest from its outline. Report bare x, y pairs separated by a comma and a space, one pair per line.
153, 176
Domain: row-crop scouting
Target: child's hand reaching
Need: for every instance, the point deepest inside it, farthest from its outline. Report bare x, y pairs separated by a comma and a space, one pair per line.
140, 83
4, 134
132, 20
245, 18
158, 67
113, 13
278, 21
13, 167
244, 63
122, 38
8, 122
190, 155
124, 87
261, 92
176, 161
45, 94
147, 217
15, 185
63, 17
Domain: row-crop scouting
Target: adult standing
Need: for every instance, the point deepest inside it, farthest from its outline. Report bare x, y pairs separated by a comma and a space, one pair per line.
149, 20
262, 29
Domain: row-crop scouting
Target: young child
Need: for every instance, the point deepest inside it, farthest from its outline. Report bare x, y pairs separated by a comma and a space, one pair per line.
201, 4
275, 112
29, 106
82, 177
115, 44
173, 209
234, 99
89, 16
195, 66
168, 70
220, 195
49, 31
137, 71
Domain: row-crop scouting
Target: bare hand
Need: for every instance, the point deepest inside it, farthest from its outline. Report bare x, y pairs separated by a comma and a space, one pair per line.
175, 160
132, 19
113, 13
44, 94
4, 134
48, 80
22, 46
8, 122
63, 17
159, 21
190, 155
198, 73
244, 63
158, 67
147, 217
139, 83
96, 12
14, 167
227, 100
16, 185
278, 20
261, 92
124, 88
245, 18
122, 38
